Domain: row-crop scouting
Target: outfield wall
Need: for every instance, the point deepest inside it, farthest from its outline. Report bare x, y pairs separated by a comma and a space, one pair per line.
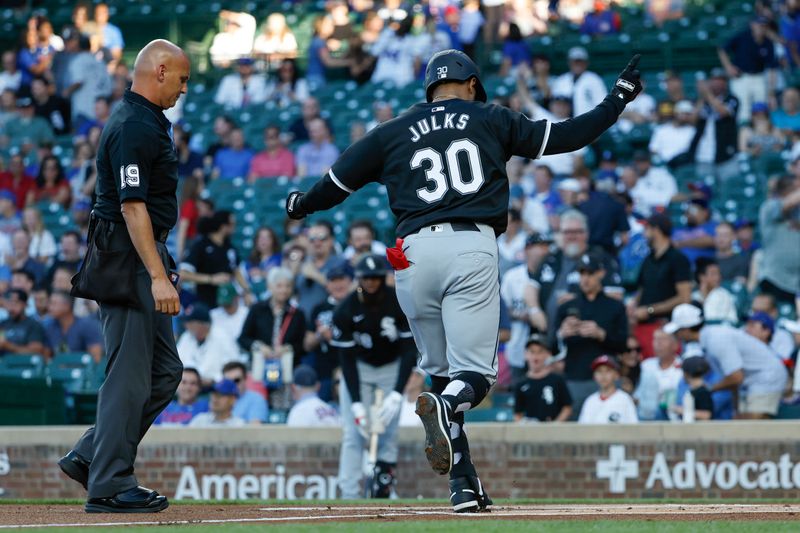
714, 460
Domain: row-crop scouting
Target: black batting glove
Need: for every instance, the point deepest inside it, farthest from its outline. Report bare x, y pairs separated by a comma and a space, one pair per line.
294, 210
629, 83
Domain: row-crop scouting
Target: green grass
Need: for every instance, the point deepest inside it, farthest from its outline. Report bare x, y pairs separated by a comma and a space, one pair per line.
458, 526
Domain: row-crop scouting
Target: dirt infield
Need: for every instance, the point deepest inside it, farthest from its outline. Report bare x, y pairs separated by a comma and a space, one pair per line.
15, 516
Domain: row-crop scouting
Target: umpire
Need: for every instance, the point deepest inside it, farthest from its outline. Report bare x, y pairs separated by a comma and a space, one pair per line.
128, 270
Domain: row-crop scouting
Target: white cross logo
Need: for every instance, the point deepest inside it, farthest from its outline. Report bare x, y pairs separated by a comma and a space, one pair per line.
616, 469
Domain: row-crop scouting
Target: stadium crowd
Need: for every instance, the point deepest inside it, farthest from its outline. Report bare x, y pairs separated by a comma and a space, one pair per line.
615, 311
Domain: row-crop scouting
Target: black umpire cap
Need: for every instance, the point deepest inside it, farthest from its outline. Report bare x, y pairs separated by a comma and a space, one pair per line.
372, 266
452, 65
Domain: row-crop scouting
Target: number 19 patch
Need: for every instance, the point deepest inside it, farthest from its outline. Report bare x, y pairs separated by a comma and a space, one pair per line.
129, 176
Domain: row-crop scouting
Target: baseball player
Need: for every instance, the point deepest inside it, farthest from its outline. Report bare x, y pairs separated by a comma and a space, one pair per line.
376, 350
444, 165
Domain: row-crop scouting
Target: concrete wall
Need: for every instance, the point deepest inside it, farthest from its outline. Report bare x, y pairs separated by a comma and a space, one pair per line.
733, 459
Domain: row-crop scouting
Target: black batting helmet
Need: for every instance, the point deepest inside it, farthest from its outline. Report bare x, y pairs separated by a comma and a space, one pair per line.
451, 65
372, 266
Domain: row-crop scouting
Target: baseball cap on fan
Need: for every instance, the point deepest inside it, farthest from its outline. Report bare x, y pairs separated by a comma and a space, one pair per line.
684, 316
578, 53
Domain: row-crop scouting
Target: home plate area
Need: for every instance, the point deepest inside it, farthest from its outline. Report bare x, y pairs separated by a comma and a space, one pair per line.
29, 516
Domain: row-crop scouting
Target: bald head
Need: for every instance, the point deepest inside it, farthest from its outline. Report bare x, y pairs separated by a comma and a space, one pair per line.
161, 72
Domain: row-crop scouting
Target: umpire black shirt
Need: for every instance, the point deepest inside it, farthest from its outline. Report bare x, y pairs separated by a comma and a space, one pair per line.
581, 351
136, 160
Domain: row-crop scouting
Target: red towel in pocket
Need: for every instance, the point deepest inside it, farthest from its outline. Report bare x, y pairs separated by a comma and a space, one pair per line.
396, 256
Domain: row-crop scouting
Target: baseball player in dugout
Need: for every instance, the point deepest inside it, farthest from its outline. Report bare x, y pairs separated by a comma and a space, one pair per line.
376, 351
443, 163
129, 272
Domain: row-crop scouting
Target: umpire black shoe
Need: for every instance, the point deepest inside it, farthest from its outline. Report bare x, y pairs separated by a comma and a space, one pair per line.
467, 495
433, 412
75, 468
135, 500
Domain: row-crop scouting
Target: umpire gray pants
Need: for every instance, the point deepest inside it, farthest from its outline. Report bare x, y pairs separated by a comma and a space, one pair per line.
142, 375
351, 458
451, 296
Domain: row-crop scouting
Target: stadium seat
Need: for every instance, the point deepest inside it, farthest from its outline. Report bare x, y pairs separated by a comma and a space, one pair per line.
25, 366
30, 402
277, 417
494, 414
75, 370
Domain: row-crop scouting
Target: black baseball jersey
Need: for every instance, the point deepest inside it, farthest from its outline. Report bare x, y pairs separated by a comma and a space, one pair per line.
542, 399
136, 160
376, 334
443, 161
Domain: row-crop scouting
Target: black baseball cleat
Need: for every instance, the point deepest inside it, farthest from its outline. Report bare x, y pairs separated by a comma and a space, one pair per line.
75, 467
432, 410
468, 496
135, 500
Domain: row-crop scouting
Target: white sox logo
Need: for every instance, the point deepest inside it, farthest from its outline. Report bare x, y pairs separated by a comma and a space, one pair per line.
441, 72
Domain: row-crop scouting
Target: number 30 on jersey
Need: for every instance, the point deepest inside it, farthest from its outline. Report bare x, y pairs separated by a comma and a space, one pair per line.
435, 172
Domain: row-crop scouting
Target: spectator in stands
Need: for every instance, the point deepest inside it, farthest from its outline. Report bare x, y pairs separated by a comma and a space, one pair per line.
674, 137
782, 340
43, 245
542, 199
696, 239
716, 140
213, 261
585, 88
788, 26
382, 112
223, 126
655, 186
87, 79
744, 363
265, 255
661, 11
275, 328
733, 266
589, 325
748, 57
601, 20
11, 76
695, 369
275, 160
664, 282
220, 413
558, 277
204, 348
9, 216
106, 35
319, 55
630, 367
606, 217
276, 42
59, 70
41, 303
608, 405
761, 137
21, 258
20, 333
470, 26
541, 395
235, 40
67, 333
660, 375
311, 280
189, 213
242, 88
26, 131
511, 244
719, 305
289, 88
787, 118
449, 24
515, 51
780, 267
250, 406
399, 57
69, 254
189, 161
233, 161
361, 241
50, 106
82, 172
102, 110
316, 157
33, 59
25, 281
309, 111
320, 326
308, 409
187, 404
51, 183
229, 315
